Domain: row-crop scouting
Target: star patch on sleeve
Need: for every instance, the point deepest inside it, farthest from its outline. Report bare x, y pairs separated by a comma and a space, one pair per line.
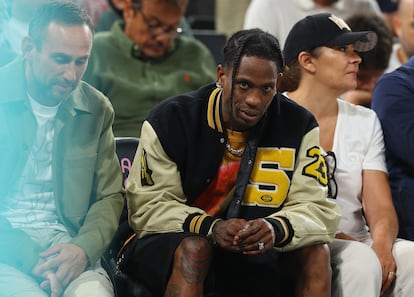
146, 172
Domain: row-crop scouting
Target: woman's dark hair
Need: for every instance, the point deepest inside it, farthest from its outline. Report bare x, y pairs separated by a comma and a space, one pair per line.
292, 73
251, 43
63, 12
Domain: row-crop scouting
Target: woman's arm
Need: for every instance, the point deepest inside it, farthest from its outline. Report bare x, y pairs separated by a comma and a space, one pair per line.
381, 219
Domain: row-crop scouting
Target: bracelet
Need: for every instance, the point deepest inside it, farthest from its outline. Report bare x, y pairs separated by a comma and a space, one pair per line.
211, 239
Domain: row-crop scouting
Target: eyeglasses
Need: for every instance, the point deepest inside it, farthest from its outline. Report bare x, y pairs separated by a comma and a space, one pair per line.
330, 160
156, 28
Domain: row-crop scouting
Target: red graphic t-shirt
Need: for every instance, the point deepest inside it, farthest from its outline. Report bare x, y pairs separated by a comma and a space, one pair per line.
218, 194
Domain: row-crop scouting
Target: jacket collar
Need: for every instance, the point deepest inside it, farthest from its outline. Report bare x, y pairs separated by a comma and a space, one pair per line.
214, 110
78, 100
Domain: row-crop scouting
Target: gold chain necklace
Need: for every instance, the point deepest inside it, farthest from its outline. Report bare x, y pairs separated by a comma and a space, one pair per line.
233, 151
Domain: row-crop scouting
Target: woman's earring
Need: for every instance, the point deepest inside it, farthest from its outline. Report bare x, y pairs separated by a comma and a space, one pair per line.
218, 85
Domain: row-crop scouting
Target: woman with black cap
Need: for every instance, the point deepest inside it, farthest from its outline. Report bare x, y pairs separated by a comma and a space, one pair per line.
322, 61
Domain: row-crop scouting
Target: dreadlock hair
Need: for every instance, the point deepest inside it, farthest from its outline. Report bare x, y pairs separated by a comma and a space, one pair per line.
64, 12
251, 43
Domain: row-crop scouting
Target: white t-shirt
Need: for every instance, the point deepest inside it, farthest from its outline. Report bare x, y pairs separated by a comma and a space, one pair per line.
358, 145
278, 16
32, 203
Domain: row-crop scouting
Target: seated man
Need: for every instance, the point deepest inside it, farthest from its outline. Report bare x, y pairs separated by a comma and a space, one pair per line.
392, 100
228, 177
144, 59
60, 182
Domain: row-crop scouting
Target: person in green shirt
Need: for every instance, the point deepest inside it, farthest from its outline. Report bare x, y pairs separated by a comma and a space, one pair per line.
144, 59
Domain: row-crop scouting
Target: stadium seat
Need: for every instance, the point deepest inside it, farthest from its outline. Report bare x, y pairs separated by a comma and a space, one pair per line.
123, 286
214, 41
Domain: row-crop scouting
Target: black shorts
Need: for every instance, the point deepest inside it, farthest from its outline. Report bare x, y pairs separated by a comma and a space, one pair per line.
150, 260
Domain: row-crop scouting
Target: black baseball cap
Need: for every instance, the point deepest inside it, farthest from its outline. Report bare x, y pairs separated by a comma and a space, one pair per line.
325, 29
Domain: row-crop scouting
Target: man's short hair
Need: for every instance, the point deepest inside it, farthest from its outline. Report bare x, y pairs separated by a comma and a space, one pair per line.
60, 11
179, 4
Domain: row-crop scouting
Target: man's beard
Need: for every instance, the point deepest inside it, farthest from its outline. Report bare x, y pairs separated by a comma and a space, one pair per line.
53, 92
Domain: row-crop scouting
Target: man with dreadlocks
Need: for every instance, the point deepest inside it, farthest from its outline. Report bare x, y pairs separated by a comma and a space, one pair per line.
227, 179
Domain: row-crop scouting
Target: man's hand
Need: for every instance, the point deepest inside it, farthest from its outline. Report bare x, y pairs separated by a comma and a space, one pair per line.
224, 232
256, 237
60, 265
51, 284
249, 237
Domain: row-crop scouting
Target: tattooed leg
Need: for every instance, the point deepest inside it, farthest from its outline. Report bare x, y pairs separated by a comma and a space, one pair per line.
191, 263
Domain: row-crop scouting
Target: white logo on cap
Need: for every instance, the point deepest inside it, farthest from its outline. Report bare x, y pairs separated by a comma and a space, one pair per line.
339, 22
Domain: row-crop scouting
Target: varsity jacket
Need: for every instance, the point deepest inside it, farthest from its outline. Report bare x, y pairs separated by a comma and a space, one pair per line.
180, 151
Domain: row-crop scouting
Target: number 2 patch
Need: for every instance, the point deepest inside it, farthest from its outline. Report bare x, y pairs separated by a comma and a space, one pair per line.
317, 168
